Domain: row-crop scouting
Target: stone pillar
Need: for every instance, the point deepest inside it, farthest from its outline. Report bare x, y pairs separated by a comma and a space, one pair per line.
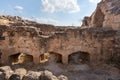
4, 59
65, 59
36, 59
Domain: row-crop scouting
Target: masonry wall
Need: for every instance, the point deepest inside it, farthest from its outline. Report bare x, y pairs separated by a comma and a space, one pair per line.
18, 40
106, 15
99, 43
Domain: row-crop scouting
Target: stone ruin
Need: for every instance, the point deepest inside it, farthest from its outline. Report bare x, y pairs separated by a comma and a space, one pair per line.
106, 15
6, 73
97, 41
24, 41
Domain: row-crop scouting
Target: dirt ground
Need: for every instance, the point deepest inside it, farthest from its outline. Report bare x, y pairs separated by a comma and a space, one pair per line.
75, 71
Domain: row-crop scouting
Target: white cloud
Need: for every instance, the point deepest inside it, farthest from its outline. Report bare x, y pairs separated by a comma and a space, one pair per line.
94, 1
51, 6
18, 8
47, 21
44, 20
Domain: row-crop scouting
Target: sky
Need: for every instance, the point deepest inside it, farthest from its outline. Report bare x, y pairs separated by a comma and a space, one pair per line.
56, 12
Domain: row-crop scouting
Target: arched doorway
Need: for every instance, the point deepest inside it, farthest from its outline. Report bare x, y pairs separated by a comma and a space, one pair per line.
51, 57
44, 57
55, 57
79, 58
20, 58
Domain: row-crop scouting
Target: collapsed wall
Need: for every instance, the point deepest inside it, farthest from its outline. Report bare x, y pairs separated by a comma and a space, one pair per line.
106, 15
97, 44
14, 40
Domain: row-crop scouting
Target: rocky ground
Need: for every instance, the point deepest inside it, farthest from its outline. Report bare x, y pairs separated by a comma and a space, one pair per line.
6, 73
50, 71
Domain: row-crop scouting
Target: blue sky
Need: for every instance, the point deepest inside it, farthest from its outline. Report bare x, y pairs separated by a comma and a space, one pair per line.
57, 12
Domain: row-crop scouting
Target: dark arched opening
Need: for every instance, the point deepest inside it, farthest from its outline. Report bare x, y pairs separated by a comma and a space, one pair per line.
51, 57
79, 58
55, 57
44, 57
20, 58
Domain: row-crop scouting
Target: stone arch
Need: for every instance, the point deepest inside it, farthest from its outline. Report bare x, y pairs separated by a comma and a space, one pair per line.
6, 53
44, 57
20, 58
55, 57
51, 57
79, 57
13, 51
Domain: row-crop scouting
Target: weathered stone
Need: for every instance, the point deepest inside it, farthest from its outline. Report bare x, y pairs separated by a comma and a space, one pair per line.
62, 77
43, 77
107, 15
14, 77
21, 72
2, 76
47, 75
31, 75
24, 42
7, 70
28, 41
